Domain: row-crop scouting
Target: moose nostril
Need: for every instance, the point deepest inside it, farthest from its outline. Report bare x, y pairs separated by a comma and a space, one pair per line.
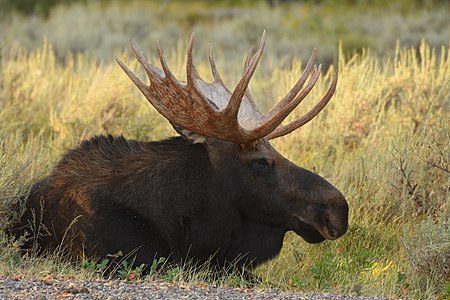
333, 232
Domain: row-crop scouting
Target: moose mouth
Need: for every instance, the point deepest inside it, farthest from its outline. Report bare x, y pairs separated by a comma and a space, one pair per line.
315, 233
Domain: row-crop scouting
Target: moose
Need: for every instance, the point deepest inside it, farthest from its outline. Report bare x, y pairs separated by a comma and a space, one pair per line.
218, 192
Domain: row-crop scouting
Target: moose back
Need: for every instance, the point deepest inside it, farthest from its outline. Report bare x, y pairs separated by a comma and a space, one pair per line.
218, 190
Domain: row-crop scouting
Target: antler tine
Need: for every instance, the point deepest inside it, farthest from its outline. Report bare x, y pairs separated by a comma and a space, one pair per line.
292, 99
276, 116
246, 64
299, 84
167, 73
283, 130
247, 58
234, 103
212, 62
191, 72
142, 86
152, 75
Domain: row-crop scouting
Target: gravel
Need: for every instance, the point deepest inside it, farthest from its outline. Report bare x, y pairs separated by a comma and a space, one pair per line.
49, 288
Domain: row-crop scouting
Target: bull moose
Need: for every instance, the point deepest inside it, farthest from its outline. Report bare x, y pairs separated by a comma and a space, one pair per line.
218, 190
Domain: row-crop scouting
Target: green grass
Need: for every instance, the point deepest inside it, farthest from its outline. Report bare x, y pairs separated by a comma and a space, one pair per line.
383, 141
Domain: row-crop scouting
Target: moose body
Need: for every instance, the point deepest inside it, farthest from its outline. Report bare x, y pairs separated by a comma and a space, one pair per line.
154, 199
199, 196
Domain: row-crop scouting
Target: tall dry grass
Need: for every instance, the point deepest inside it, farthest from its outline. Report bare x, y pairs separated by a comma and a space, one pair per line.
383, 140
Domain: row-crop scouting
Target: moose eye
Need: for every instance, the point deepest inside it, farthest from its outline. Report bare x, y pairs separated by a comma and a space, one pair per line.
261, 165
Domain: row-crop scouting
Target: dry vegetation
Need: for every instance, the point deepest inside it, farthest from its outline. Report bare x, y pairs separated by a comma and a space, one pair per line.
101, 27
383, 140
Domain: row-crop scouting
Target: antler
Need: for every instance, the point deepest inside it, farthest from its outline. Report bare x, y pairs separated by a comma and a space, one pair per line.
211, 110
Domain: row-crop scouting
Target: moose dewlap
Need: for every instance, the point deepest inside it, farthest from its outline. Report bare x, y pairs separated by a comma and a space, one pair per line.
218, 190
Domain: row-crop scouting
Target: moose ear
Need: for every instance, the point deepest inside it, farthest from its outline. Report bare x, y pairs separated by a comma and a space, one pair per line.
193, 137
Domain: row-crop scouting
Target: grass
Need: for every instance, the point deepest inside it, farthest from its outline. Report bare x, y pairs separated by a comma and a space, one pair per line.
383, 141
